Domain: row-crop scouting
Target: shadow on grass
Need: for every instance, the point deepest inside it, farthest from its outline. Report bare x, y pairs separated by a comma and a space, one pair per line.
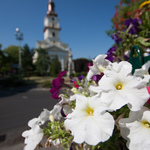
12, 86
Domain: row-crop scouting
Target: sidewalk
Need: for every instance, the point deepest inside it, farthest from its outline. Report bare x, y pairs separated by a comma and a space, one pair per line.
10, 91
10, 137
14, 140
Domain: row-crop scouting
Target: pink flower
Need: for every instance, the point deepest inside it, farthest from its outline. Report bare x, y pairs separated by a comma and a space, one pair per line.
58, 84
88, 65
75, 85
148, 88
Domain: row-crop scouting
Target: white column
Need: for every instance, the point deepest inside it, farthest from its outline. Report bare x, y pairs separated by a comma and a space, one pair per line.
62, 64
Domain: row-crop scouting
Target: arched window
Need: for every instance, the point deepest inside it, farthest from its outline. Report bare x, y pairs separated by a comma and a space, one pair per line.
53, 34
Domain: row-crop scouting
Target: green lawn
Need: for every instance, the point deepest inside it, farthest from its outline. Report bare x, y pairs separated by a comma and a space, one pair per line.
37, 81
42, 81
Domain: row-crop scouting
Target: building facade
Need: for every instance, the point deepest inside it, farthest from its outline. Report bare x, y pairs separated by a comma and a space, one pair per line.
51, 40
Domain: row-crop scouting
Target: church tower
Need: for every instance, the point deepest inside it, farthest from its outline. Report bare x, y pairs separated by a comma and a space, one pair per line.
52, 42
51, 24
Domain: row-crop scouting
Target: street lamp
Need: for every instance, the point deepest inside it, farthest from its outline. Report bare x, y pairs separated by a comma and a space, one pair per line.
19, 37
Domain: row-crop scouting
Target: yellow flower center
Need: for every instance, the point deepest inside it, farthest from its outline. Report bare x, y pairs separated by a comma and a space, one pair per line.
119, 86
51, 117
89, 111
146, 124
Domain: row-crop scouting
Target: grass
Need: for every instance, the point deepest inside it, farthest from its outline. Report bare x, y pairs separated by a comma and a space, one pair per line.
37, 81
43, 81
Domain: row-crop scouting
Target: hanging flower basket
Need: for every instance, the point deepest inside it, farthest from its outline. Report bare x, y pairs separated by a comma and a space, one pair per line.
105, 110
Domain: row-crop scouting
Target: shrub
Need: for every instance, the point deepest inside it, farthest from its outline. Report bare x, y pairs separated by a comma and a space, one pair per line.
55, 67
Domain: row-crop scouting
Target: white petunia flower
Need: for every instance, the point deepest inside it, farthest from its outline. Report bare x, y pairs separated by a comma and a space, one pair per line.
32, 137
44, 116
136, 129
123, 65
89, 122
56, 111
35, 134
34, 122
99, 65
120, 88
144, 71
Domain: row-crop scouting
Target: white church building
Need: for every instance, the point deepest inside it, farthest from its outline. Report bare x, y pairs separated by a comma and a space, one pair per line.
52, 41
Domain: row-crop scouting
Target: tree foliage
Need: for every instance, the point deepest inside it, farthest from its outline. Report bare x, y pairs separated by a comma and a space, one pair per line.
4, 62
27, 65
81, 65
55, 67
13, 54
43, 62
10, 57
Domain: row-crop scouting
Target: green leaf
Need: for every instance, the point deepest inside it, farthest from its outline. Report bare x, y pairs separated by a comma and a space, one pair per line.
141, 41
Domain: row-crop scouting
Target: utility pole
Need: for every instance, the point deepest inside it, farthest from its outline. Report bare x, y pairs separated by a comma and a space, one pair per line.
19, 37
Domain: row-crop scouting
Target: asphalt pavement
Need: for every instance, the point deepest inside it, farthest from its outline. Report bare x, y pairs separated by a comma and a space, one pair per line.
17, 107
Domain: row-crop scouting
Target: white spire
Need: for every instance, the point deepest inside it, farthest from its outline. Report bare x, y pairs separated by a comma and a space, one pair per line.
51, 8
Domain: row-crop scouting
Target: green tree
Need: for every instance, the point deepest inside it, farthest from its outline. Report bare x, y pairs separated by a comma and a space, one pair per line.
55, 67
81, 65
27, 65
2, 60
0, 46
43, 62
13, 54
4, 63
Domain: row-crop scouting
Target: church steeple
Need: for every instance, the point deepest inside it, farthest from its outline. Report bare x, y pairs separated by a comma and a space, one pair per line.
52, 42
51, 9
51, 23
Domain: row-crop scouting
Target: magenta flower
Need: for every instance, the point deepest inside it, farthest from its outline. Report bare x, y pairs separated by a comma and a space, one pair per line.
75, 85
88, 65
58, 84
148, 89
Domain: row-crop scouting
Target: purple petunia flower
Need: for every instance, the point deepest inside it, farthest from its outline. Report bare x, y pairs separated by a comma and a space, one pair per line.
126, 58
58, 84
81, 77
116, 38
112, 51
97, 77
111, 54
133, 25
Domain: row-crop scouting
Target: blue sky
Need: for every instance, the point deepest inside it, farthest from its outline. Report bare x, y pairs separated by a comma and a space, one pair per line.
83, 24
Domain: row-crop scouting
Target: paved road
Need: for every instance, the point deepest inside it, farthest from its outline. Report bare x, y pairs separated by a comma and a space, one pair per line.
17, 108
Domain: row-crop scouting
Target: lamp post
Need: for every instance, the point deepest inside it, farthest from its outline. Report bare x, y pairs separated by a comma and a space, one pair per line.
19, 37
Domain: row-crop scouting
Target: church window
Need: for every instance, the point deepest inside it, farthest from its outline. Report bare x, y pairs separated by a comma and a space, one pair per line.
53, 33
